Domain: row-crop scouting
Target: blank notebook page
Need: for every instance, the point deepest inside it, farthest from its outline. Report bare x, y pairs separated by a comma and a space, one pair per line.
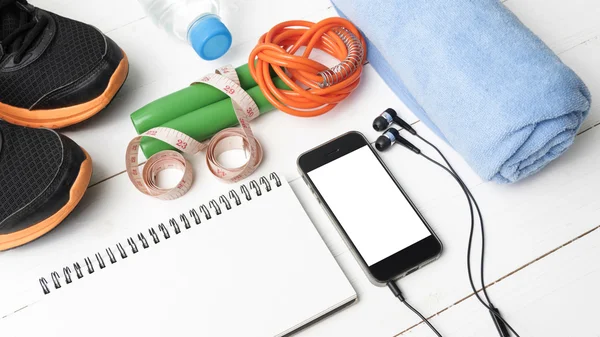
258, 269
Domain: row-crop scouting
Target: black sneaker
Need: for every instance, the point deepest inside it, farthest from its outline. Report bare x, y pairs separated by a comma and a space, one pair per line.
54, 71
43, 176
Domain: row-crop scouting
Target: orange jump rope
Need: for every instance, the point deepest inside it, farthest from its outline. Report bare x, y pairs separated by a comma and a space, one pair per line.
315, 88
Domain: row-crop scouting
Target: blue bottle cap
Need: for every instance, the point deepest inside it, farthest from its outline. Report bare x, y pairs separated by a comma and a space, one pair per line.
209, 37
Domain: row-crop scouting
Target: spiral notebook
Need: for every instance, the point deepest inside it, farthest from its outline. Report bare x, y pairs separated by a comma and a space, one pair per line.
247, 263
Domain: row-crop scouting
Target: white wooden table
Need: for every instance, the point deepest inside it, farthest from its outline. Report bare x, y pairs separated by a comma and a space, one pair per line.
543, 242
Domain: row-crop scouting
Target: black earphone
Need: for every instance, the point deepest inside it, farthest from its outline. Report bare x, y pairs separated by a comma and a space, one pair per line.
392, 136
388, 118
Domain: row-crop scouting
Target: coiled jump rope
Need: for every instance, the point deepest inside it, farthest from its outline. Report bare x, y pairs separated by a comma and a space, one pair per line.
327, 86
313, 89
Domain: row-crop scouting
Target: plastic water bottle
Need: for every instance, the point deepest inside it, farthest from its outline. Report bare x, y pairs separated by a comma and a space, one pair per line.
194, 21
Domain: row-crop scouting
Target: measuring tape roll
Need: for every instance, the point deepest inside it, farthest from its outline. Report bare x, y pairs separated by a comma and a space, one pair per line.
226, 80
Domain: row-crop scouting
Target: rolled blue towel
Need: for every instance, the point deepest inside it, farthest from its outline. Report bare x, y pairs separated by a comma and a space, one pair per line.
477, 77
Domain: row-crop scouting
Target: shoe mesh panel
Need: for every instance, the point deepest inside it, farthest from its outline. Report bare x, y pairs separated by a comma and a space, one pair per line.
9, 21
29, 161
75, 50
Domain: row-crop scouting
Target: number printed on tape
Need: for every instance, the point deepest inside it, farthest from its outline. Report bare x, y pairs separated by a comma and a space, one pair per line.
229, 90
181, 144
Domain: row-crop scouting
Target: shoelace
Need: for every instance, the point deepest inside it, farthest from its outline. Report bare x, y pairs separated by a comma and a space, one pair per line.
30, 27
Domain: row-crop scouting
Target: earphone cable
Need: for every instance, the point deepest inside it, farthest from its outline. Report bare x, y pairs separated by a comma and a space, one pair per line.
464, 186
469, 196
396, 291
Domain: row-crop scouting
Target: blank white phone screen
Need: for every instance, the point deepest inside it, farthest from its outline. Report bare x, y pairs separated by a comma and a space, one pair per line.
368, 205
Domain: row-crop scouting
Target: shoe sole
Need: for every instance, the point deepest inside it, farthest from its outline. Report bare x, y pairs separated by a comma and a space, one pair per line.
12, 240
63, 117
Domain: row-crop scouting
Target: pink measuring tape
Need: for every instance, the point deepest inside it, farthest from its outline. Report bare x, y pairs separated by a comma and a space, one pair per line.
226, 80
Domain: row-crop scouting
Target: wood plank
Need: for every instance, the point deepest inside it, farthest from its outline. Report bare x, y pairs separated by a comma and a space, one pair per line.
246, 19
533, 216
523, 221
106, 15
554, 296
106, 135
531, 210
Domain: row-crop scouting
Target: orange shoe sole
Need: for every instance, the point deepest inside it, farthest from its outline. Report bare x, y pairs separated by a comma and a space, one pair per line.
12, 240
60, 118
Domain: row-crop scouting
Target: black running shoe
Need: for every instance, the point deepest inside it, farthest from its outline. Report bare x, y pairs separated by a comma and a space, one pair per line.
54, 71
43, 176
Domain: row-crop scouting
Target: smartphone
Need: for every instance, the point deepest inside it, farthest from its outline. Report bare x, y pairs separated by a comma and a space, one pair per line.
378, 221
